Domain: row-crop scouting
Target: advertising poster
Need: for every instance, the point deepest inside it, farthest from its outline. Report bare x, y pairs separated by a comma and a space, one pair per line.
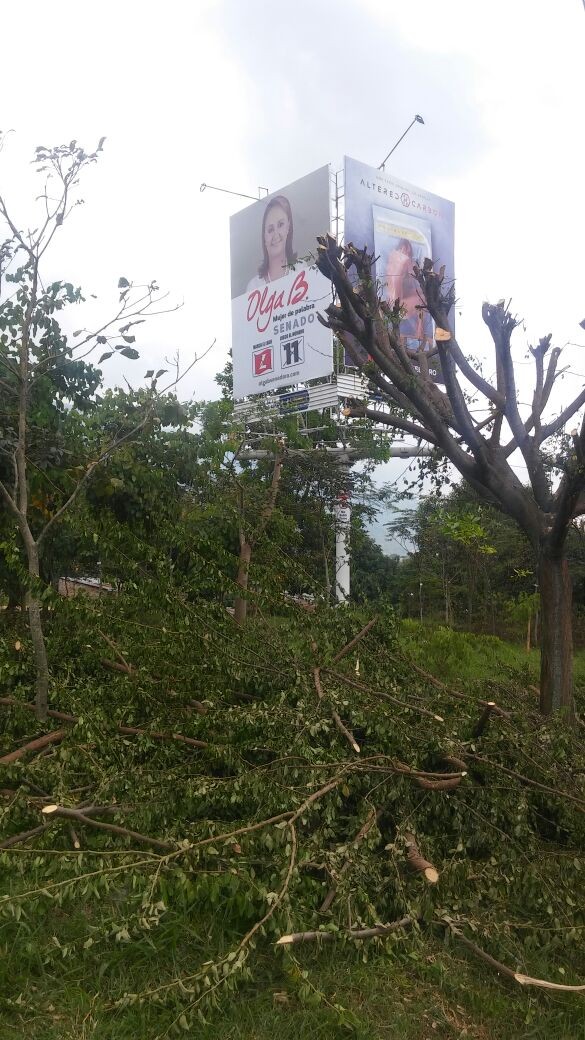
400, 225
277, 340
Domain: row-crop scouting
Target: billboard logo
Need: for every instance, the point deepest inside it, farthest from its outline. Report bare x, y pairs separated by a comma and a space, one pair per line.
292, 352
405, 199
263, 361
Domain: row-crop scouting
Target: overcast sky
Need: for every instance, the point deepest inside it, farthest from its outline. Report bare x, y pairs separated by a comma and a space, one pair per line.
246, 93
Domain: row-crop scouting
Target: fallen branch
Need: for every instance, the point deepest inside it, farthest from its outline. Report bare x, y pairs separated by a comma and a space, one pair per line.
34, 745
316, 796
449, 689
113, 828
418, 863
526, 780
345, 732
455, 763
22, 836
116, 666
461, 770
11, 702
285, 817
317, 681
116, 650
385, 696
18, 839
526, 980
448, 784
353, 642
198, 706
351, 933
502, 969
129, 730
362, 833
99, 810
138, 731
233, 954
484, 720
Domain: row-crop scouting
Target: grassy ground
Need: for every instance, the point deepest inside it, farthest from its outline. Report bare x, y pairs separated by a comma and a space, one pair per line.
417, 991
462, 656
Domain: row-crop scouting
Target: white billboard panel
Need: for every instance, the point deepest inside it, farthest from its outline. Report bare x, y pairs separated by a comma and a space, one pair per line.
400, 225
277, 340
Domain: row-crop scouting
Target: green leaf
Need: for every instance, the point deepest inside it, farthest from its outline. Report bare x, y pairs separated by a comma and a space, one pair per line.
129, 339
129, 352
123, 283
161, 372
105, 357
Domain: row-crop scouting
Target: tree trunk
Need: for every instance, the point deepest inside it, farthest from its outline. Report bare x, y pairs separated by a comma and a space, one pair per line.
556, 636
241, 604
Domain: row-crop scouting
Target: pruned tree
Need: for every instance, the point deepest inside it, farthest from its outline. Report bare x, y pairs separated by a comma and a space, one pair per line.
38, 364
480, 449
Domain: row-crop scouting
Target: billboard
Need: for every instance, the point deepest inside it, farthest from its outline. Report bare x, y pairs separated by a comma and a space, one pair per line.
277, 340
400, 225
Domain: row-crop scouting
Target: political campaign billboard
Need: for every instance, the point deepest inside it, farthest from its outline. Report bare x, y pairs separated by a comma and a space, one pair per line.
276, 291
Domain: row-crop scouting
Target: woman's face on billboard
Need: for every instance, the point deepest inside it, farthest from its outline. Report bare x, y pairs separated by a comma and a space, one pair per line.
276, 231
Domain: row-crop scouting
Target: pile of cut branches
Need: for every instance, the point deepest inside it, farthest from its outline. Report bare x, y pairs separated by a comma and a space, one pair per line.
297, 782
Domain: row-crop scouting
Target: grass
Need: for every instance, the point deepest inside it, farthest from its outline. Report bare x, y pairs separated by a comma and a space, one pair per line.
415, 991
453, 655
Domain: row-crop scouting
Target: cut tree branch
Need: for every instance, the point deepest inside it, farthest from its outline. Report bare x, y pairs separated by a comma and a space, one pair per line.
351, 933
353, 642
502, 969
417, 863
55, 737
361, 834
79, 816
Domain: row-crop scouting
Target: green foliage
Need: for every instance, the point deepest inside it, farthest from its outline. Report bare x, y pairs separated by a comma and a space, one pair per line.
146, 941
466, 529
471, 560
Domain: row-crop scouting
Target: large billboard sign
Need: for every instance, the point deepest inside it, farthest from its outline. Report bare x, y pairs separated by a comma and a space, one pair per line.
400, 225
277, 340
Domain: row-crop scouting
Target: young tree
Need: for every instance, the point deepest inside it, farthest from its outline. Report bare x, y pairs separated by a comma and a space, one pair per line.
479, 449
296, 477
40, 370
473, 559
